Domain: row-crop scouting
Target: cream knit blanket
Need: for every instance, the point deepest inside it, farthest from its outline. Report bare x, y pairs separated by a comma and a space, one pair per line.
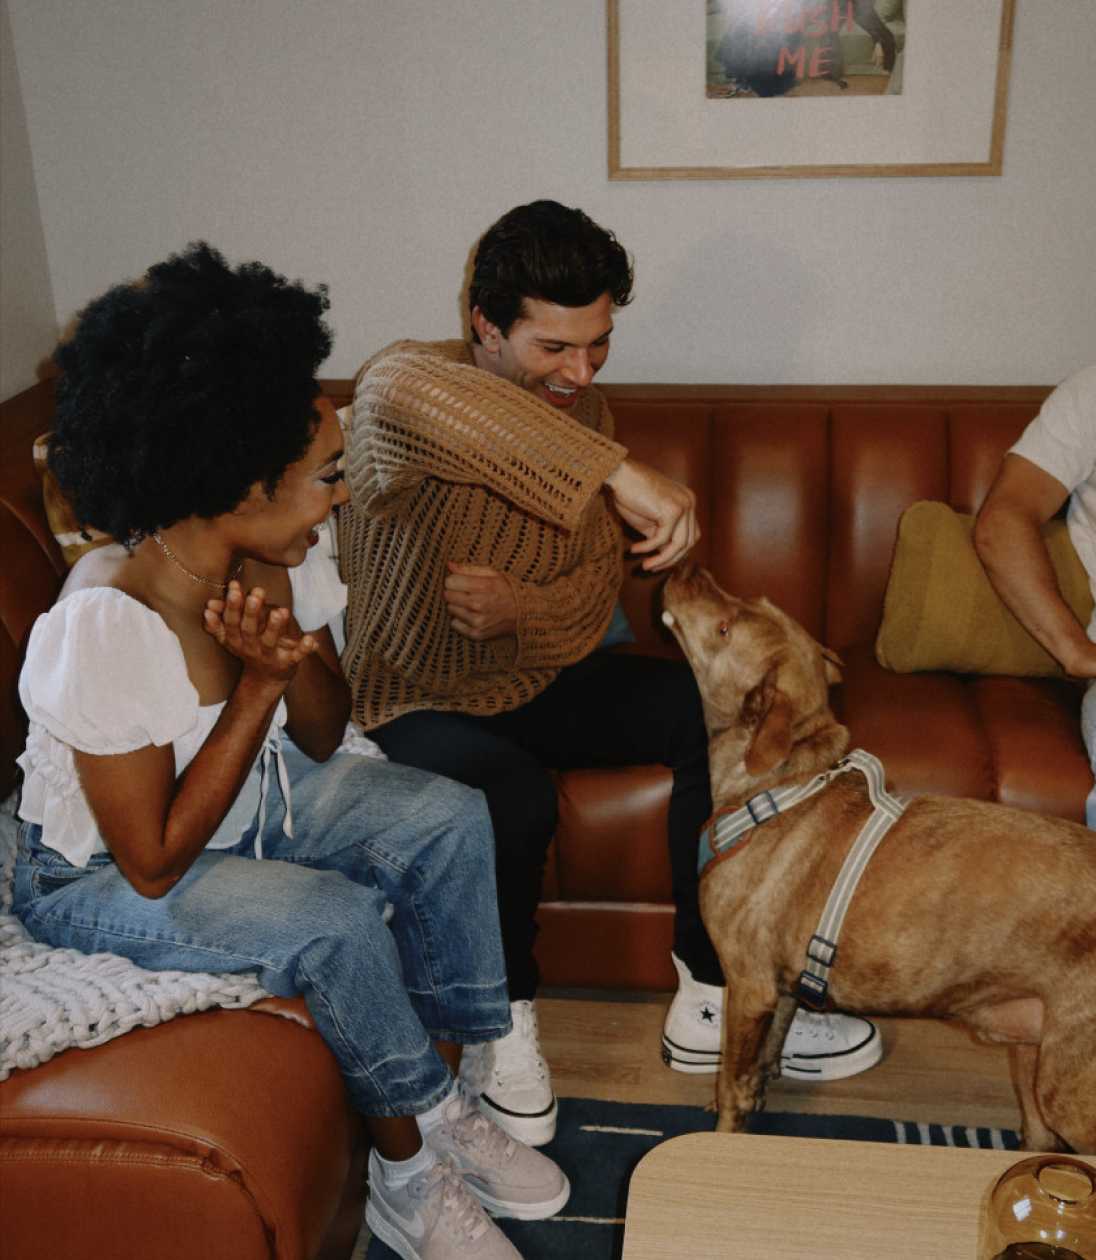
54, 999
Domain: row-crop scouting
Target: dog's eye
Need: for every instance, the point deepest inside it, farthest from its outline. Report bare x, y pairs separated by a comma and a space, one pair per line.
724, 628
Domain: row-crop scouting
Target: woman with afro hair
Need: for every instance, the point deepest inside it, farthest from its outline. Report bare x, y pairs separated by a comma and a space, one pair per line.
192, 798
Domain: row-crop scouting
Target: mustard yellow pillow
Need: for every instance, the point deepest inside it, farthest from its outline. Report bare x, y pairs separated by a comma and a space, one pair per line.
73, 538
940, 611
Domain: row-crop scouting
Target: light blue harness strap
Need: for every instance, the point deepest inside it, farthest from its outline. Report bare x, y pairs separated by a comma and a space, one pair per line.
725, 832
813, 982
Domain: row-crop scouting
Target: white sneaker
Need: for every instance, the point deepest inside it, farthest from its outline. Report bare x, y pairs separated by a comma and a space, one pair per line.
828, 1047
818, 1047
510, 1080
692, 1036
433, 1217
508, 1177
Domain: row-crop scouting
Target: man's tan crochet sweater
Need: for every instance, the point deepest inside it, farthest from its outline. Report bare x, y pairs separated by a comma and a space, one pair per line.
446, 461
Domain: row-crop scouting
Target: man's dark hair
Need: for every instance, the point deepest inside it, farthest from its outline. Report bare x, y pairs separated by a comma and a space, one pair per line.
546, 251
182, 390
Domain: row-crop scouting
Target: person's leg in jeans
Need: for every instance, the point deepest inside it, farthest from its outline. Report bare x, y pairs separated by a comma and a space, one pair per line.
624, 710
376, 835
321, 932
510, 1079
521, 800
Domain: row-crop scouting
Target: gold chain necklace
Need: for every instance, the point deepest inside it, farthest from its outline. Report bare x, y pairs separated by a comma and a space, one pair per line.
196, 577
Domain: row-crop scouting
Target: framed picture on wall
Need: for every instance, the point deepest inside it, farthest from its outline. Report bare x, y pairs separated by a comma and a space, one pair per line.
763, 89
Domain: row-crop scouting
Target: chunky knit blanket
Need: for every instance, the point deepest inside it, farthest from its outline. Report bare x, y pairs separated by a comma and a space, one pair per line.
54, 999
445, 462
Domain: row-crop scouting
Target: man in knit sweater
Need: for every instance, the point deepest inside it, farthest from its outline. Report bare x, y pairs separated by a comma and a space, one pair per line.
483, 551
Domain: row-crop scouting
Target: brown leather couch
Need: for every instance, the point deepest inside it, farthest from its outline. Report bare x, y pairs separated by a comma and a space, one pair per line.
800, 490
227, 1134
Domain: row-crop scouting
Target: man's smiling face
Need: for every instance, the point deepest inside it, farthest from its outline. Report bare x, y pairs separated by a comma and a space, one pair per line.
552, 351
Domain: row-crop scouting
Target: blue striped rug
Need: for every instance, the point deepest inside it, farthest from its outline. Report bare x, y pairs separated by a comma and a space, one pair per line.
599, 1143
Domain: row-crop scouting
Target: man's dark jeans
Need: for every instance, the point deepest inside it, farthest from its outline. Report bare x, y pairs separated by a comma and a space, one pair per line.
608, 710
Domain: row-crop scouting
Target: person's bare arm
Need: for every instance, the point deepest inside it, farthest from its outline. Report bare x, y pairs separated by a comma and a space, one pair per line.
1009, 542
155, 824
318, 700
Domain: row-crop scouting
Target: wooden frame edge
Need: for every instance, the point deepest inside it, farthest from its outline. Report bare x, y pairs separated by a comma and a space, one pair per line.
993, 165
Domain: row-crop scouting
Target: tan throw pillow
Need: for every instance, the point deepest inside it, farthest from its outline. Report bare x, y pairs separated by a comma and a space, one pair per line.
940, 611
72, 538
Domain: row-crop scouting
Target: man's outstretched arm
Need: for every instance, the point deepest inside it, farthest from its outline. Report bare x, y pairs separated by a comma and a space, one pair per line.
1009, 542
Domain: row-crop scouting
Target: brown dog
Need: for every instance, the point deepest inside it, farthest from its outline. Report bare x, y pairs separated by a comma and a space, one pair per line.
968, 910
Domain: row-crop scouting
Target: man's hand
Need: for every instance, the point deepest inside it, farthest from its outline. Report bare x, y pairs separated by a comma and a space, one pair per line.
659, 508
480, 601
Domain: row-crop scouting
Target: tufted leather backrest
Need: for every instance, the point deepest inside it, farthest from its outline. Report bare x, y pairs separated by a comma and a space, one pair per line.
800, 491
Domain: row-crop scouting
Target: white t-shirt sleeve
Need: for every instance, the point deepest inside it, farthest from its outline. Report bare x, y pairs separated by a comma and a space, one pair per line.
105, 675
1061, 440
319, 594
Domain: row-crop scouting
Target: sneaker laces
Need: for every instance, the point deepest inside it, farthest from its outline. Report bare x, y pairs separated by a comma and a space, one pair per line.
816, 1025
518, 1053
462, 1210
472, 1130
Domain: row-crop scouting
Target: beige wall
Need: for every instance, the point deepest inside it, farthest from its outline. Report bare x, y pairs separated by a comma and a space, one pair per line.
366, 143
28, 321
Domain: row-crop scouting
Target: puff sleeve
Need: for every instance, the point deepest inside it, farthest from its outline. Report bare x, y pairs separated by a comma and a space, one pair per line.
105, 675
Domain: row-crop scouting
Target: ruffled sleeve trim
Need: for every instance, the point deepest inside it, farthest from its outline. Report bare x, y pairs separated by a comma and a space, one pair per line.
104, 674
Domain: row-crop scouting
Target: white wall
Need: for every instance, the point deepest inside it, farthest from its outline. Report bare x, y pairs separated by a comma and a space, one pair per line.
367, 142
28, 320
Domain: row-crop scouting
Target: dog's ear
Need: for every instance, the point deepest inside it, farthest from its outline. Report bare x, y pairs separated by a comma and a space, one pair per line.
771, 709
833, 665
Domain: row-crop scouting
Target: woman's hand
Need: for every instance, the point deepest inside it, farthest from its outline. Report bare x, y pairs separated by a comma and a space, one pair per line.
257, 634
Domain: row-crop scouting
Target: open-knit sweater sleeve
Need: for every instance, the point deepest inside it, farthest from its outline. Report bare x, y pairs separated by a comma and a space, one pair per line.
553, 616
447, 462
432, 412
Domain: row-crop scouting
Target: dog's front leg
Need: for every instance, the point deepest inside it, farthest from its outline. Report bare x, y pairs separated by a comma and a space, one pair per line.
774, 1039
747, 1019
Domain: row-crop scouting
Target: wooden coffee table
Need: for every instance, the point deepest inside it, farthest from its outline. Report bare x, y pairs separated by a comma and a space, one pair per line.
724, 1196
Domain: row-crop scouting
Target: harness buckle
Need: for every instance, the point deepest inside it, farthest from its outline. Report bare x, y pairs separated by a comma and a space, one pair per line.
811, 990
822, 951
765, 810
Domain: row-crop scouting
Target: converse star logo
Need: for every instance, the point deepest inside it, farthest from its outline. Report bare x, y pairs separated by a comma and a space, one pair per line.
707, 1014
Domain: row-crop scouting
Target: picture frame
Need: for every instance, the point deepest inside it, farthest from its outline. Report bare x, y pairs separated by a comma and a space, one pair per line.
948, 118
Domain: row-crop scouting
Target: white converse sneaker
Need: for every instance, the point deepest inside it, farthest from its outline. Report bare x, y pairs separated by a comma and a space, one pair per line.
433, 1217
509, 1079
692, 1034
508, 1177
818, 1047
828, 1047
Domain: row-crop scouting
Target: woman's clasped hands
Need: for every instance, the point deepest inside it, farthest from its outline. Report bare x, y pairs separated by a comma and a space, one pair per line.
264, 637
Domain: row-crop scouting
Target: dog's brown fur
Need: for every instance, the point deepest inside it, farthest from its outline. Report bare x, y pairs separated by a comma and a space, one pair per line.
968, 910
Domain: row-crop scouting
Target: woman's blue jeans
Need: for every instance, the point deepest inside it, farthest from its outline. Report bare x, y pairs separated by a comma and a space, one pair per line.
310, 918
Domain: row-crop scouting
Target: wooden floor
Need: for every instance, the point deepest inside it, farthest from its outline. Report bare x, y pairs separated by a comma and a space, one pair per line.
931, 1071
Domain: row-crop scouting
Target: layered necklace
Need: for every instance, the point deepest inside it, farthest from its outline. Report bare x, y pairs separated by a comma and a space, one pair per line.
196, 577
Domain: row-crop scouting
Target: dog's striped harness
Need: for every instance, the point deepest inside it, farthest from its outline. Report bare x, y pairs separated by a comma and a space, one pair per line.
725, 832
